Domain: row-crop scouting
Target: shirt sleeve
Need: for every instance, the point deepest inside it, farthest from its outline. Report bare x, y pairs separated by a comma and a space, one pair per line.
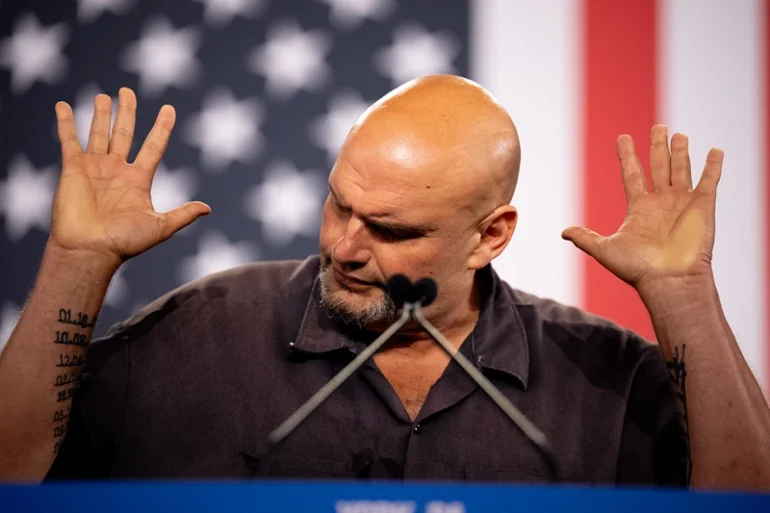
654, 448
91, 443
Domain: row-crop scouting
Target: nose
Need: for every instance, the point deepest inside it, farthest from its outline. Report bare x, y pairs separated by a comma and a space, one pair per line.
349, 250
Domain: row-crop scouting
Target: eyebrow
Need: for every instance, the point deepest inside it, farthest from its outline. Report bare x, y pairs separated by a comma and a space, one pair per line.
393, 226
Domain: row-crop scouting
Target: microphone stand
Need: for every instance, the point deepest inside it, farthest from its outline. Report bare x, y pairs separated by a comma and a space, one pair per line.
299, 415
530, 430
411, 309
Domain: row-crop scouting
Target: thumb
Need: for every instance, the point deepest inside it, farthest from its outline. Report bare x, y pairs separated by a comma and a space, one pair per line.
584, 239
181, 216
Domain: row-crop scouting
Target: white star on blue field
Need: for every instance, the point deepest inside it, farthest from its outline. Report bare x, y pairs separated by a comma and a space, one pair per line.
265, 92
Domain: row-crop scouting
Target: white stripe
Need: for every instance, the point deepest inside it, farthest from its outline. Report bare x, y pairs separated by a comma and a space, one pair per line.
527, 55
711, 88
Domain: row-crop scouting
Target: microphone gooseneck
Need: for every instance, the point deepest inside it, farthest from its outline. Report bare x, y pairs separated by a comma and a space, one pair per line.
411, 297
316, 399
536, 436
402, 292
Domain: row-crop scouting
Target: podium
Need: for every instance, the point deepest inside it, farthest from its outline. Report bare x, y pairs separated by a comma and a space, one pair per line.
355, 497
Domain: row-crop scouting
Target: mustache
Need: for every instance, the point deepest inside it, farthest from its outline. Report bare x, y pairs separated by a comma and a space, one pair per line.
327, 266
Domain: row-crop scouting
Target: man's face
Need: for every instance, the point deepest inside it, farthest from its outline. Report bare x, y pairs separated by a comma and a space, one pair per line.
379, 220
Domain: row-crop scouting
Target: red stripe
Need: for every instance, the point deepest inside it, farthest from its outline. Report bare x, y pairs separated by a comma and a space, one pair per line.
620, 88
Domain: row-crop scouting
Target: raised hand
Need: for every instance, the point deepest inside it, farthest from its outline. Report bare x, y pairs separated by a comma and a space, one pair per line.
102, 204
668, 232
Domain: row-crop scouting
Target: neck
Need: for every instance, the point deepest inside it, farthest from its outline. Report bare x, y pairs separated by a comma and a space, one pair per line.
455, 324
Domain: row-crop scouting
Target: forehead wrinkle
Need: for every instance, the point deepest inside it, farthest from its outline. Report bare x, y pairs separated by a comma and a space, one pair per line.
386, 214
381, 176
464, 197
377, 192
380, 208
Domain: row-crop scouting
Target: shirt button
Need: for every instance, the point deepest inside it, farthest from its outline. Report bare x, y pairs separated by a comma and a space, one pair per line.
416, 429
480, 359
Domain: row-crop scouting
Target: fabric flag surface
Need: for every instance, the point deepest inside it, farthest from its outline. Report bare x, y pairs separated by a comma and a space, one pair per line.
266, 90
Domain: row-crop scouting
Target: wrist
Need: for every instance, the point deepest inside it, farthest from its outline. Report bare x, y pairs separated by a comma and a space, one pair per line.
80, 263
664, 296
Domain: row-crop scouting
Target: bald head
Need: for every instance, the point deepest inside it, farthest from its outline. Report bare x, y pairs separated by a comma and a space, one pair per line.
446, 130
421, 186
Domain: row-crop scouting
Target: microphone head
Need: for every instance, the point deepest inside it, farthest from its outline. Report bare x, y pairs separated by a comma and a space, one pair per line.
400, 289
425, 291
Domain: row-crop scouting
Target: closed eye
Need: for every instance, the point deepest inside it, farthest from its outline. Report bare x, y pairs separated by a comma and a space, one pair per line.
383, 230
336, 204
394, 233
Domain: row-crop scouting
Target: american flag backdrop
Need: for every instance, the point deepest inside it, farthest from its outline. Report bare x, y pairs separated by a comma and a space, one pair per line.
266, 90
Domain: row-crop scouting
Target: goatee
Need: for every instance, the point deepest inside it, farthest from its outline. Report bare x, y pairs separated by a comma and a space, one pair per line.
383, 311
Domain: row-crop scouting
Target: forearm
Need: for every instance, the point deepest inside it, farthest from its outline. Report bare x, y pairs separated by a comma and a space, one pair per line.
40, 366
727, 417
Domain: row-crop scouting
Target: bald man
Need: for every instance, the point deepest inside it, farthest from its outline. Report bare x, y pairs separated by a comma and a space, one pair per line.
192, 385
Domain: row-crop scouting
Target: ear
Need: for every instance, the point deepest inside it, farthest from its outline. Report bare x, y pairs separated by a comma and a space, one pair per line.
496, 231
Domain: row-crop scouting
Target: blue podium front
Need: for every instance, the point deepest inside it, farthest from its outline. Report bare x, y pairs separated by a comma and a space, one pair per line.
342, 497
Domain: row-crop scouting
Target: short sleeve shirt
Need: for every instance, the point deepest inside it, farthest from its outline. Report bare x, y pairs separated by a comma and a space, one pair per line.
193, 384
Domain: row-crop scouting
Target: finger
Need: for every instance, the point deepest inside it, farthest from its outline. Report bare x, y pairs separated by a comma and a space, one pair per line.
660, 158
123, 130
584, 239
712, 171
175, 220
157, 140
634, 180
99, 134
68, 134
681, 171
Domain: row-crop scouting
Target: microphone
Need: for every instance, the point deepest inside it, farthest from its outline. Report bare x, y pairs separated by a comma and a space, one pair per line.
398, 286
425, 291
411, 297
403, 291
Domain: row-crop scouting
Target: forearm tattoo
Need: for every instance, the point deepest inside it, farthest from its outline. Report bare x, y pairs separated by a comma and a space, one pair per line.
68, 368
677, 370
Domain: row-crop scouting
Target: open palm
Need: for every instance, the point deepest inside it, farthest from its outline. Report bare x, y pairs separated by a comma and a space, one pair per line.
103, 203
668, 232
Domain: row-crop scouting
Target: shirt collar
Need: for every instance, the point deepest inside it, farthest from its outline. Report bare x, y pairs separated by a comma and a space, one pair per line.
318, 332
499, 341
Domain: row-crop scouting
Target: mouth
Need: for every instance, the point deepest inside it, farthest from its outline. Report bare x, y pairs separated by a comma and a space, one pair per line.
349, 281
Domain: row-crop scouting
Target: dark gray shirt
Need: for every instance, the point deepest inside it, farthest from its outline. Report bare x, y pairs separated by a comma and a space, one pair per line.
192, 385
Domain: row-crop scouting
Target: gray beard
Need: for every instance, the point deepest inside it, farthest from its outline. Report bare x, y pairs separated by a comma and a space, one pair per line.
383, 311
